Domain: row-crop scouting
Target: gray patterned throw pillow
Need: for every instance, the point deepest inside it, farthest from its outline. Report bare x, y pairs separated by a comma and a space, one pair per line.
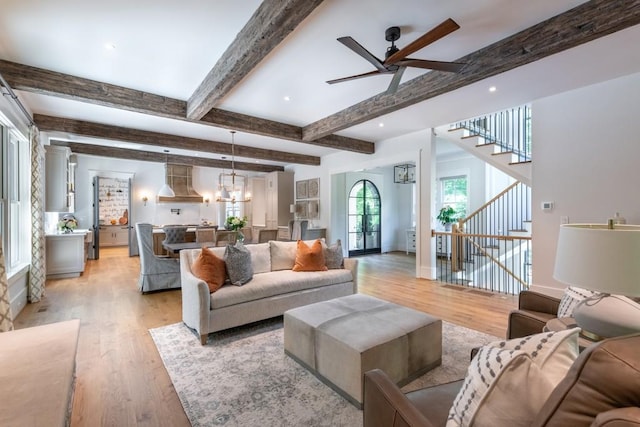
333, 256
238, 261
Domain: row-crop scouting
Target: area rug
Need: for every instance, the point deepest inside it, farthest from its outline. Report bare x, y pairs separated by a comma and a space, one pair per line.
243, 378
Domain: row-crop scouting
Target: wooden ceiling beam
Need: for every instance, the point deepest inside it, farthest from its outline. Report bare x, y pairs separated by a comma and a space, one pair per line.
148, 156
270, 24
582, 24
52, 83
264, 127
117, 133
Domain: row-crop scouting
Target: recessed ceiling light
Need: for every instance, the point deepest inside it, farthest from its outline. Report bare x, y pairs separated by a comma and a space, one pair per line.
492, 89
286, 98
109, 46
381, 124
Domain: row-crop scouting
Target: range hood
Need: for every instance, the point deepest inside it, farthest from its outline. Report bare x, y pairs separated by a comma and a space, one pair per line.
179, 178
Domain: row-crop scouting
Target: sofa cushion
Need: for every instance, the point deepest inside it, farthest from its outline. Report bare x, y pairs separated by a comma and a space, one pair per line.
529, 368
266, 285
260, 257
238, 260
283, 254
571, 298
333, 256
208, 267
309, 257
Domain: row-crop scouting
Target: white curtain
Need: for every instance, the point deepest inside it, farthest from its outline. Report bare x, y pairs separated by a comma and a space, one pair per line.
6, 319
37, 273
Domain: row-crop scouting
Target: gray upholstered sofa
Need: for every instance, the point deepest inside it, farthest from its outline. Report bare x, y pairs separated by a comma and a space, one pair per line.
274, 289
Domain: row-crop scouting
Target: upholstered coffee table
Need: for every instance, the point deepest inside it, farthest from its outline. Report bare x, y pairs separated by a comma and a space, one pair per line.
340, 339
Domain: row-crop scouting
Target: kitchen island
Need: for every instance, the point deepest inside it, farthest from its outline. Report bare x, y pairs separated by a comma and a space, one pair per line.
67, 253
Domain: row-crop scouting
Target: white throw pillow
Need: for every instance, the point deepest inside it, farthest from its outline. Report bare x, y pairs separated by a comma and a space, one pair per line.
553, 352
508, 381
571, 298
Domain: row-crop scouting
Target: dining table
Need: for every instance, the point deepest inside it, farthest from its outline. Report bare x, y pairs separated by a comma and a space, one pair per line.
177, 247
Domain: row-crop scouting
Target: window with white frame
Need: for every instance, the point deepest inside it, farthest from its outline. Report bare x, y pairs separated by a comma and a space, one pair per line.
14, 197
454, 192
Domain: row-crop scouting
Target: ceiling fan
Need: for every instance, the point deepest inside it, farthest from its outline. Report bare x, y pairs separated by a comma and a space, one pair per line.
396, 60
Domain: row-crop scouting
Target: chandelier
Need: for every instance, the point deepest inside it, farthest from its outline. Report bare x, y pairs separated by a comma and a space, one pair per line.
232, 188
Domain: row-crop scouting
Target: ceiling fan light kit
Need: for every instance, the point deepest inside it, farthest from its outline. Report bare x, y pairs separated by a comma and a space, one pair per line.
396, 60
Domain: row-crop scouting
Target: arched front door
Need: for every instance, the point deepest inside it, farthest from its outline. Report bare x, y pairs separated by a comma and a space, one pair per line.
364, 219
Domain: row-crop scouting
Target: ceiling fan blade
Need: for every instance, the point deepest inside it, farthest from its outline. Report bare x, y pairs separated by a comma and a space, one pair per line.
395, 81
357, 76
447, 27
357, 48
453, 67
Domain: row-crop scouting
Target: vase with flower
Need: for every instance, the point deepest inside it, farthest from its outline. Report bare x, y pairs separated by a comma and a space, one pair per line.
236, 223
67, 224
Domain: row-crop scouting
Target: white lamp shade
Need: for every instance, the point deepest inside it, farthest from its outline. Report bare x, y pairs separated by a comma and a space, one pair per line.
166, 191
592, 256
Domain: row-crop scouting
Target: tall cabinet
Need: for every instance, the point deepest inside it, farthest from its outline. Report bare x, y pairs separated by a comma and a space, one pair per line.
278, 198
59, 173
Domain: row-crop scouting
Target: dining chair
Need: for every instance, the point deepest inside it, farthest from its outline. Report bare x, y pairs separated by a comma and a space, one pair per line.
205, 235
225, 237
174, 233
265, 235
156, 272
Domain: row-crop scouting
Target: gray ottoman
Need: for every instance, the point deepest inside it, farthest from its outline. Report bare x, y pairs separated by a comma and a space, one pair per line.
341, 339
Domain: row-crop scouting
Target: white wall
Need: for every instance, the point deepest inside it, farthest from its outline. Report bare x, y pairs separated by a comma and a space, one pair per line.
332, 180
586, 160
471, 167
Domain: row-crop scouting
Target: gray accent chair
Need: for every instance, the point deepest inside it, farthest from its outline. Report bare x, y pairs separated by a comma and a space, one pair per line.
174, 234
156, 272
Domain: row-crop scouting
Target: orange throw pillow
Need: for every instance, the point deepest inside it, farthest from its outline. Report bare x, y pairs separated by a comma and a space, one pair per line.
310, 258
209, 268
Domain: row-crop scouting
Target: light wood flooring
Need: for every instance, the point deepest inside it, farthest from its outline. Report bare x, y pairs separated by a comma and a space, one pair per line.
121, 380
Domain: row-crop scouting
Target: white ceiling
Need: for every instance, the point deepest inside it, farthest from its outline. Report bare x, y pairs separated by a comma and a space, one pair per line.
167, 47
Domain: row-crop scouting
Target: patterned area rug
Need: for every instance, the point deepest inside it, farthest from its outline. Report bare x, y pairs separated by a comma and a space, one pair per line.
243, 378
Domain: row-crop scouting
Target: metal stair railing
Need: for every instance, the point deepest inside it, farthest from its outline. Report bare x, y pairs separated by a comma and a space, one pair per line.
479, 252
462, 260
510, 130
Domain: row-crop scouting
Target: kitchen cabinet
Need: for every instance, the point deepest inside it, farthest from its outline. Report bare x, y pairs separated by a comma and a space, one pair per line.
66, 253
278, 198
59, 180
114, 235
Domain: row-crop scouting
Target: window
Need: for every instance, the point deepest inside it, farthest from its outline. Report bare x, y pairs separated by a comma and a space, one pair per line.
454, 193
14, 197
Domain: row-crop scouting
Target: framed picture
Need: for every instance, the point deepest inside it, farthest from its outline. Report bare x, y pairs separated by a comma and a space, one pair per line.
302, 211
313, 188
313, 209
302, 189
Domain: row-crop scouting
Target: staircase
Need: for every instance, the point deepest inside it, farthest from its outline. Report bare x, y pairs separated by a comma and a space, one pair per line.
501, 139
490, 249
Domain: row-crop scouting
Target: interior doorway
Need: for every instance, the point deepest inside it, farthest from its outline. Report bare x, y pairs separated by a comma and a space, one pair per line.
364, 219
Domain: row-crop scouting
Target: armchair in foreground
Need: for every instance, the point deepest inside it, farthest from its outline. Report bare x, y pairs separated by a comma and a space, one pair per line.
601, 388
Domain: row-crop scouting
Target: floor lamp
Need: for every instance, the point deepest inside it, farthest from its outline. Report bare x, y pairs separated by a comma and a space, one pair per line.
603, 258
